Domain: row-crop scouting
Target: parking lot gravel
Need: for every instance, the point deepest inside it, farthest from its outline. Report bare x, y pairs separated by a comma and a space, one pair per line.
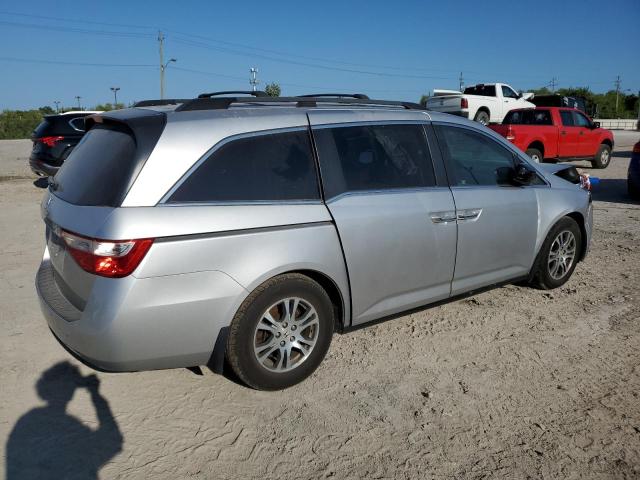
509, 383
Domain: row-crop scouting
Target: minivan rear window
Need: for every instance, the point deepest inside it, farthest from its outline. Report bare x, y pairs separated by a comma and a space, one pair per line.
98, 171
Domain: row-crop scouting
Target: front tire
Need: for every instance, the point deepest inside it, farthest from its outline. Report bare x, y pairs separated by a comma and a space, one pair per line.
558, 256
603, 157
482, 117
281, 332
535, 155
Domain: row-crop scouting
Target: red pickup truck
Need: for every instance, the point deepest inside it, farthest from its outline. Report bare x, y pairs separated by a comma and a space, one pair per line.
557, 133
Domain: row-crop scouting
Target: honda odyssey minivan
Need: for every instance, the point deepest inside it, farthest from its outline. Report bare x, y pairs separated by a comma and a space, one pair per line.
258, 226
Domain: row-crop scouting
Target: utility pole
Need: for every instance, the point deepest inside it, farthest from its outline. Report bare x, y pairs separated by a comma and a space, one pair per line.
78, 97
253, 81
163, 66
115, 96
57, 103
461, 80
553, 82
617, 84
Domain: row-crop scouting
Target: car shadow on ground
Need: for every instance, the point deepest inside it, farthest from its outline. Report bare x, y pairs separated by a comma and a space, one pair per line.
47, 442
612, 190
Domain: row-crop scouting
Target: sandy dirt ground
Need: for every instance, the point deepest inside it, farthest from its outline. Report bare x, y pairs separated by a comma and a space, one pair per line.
510, 383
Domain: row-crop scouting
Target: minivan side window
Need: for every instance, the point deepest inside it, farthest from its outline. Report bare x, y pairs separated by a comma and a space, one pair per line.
266, 167
473, 158
567, 118
373, 157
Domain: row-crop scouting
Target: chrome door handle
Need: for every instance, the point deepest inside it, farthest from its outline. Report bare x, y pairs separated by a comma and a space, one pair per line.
470, 214
443, 217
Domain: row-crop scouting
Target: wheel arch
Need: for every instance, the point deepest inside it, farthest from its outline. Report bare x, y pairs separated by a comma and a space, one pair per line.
608, 142
538, 145
579, 219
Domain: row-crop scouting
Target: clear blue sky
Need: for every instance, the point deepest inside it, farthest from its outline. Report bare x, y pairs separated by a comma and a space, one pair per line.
387, 49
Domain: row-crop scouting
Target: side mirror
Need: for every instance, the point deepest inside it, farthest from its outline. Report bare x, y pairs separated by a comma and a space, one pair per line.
527, 95
519, 175
595, 125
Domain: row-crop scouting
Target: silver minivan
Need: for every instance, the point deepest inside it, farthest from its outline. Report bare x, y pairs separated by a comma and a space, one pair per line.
250, 228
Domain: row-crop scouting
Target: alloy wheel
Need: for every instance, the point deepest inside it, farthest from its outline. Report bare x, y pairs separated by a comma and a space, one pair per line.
562, 254
286, 334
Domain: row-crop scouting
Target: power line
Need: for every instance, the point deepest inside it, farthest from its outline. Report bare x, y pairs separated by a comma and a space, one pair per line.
75, 20
305, 64
77, 30
79, 64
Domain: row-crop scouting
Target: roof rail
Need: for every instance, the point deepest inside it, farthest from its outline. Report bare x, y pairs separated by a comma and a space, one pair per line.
361, 96
163, 101
223, 103
254, 93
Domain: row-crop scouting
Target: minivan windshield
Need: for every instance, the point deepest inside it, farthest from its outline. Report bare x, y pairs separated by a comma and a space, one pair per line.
98, 171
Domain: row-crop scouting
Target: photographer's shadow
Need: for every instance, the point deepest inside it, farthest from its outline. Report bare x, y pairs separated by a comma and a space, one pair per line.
47, 442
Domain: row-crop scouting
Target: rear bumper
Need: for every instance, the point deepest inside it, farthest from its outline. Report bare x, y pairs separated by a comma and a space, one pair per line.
40, 167
131, 324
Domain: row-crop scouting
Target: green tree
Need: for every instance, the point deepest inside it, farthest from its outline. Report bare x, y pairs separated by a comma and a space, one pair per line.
107, 107
47, 110
18, 123
273, 89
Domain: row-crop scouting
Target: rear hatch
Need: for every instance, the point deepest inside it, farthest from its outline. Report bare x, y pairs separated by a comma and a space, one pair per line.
90, 185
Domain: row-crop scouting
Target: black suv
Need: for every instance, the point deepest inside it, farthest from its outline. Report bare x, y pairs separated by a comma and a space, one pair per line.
54, 139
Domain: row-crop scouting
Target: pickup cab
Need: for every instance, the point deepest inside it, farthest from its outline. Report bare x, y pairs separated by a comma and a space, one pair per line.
555, 133
485, 102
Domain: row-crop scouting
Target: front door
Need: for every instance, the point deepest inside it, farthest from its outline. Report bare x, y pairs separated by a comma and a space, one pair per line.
497, 222
568, 135
397, 227
587, 136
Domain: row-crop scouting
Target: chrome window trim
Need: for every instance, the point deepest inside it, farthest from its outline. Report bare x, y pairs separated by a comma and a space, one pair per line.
240, 203
358, 123
214, 148
393, 191
74, 127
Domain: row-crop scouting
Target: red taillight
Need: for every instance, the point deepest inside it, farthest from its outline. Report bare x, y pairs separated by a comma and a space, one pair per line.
464, 103
106, 258
511, 135
50, 141
636, 148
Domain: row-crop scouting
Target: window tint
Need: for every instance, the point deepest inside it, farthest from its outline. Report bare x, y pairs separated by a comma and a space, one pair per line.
507, 92
373, 157
567, 118
473, 158
99, 168
270, 167
581, 120
483, 90
528, 117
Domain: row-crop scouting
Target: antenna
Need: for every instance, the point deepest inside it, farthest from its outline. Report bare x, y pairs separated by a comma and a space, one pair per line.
253, 81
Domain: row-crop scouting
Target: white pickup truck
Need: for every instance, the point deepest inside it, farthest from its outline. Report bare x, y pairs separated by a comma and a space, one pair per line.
485, 102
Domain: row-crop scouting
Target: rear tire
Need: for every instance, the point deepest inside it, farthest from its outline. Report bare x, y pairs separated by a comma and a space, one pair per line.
603, 157
281, 332
558, 256
482, 117
535, 154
